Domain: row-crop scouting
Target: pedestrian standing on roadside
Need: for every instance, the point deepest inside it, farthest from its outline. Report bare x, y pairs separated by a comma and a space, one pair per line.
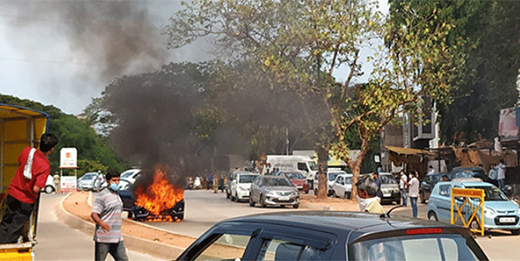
414, 192
377, 180
493, 174
215, 184
29, 179
106, 213
501, 174
210, 181
366, 196
403, 184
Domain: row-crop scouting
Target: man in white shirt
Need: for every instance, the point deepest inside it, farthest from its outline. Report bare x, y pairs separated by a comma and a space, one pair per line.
414, 192
431, 170
501, 175
402, 187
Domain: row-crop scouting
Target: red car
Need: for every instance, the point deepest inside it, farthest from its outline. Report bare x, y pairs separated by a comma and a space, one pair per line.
298, 180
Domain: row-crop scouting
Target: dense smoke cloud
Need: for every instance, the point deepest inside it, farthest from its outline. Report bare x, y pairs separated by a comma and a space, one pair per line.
116, 37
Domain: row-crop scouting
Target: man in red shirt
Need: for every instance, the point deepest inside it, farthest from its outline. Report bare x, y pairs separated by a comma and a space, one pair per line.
30, 178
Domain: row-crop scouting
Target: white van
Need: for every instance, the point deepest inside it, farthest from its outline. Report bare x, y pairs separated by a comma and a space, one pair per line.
303, 164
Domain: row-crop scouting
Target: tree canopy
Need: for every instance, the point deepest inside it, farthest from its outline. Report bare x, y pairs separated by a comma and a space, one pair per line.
305, 43
94, 153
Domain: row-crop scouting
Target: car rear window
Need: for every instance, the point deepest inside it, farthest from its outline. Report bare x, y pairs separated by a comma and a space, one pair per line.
414, 247
469, 173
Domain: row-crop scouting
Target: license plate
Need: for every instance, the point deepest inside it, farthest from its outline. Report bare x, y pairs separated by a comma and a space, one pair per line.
507, 220
284, 199
387, 195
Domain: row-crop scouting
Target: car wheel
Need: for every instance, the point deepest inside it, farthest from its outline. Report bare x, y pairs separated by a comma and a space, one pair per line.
180, 217
227, 194
347, 195
296, 206
421, 196
474, 225
49, 189
398, 201
432, 216
262, 201
130, 214
307, 192
334, 194
515, 232
315, 192
251, 202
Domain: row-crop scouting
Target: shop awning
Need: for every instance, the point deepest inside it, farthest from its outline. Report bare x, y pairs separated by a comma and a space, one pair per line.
409, 151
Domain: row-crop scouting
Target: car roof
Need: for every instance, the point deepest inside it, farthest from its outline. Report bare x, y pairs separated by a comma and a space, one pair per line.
340, 222
467, 182
467, 168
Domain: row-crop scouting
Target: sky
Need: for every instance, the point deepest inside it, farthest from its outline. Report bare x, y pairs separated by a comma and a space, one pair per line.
48, 55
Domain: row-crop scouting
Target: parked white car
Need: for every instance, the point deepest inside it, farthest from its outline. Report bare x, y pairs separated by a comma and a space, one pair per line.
86, 181
240, 185
331, 177
131, 175
342, 186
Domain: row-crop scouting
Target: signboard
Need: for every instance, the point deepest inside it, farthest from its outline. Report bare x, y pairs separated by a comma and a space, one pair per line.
68, 184
68, 158
507, 127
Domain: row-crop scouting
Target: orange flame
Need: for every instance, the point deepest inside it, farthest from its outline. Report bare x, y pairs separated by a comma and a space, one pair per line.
159, 196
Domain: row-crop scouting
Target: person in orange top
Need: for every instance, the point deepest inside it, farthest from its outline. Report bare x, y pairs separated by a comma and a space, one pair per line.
30, 178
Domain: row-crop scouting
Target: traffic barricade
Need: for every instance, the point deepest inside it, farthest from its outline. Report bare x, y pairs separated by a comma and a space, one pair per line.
467, 208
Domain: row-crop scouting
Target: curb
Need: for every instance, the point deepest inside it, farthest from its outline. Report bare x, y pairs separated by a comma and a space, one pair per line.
156, 249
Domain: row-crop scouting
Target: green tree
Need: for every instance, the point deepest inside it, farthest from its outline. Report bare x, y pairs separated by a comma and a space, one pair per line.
304, 43
72, 132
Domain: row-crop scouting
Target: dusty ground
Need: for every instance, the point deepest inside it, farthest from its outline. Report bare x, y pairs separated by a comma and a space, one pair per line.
77, 205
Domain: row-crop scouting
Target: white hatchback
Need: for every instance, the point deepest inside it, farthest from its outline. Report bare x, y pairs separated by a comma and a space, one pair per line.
342, 186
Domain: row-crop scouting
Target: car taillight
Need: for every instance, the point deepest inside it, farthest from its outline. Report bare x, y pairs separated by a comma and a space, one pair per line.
417, 231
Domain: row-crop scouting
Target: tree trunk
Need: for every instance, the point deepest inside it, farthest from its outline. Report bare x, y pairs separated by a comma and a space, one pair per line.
356, 167
323, 156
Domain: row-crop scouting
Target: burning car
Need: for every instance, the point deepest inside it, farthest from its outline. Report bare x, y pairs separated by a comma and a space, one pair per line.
160, 201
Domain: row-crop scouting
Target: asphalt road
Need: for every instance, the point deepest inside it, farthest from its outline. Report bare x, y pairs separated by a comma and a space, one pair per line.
58, 241
203, 209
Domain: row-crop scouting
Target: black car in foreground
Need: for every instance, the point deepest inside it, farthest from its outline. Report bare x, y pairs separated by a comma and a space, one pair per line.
328, 235
140, 214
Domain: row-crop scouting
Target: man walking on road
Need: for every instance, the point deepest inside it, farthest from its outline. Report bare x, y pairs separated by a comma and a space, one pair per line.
30, 178
106, 213
414, 192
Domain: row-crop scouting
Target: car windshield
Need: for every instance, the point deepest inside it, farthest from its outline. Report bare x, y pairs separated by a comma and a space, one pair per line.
277, 182
333, 175
294, 175
89, 176
388, 179
312, 165
440, 247
492, 193
246, 178
128, 173
469, 173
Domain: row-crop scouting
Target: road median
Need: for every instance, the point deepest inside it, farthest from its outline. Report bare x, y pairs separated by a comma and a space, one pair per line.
74, 211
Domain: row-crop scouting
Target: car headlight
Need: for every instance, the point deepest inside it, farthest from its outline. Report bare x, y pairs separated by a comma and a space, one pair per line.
489, 212
295, 192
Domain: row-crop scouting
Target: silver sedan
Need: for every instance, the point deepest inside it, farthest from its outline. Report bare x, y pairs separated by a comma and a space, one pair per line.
274, 191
